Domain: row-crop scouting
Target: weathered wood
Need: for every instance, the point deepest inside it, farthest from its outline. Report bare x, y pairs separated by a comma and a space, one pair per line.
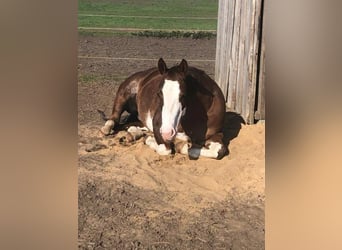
224, 40
260, 112
233, 58
238, 68
254, 59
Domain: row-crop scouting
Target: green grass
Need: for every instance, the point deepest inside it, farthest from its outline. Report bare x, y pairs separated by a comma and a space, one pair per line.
154, 8
132, 22
182, 8
147, 33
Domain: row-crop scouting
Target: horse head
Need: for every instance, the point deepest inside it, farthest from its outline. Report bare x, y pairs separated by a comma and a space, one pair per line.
172, 91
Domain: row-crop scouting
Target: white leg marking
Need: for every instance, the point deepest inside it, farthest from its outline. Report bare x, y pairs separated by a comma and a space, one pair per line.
134, 129
150, 141
162, 150
184, 149
182, 136
107, 127
212, 151
159, 148
136, 132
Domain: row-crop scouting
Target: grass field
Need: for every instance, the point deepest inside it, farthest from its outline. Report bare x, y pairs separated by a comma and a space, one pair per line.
148, 14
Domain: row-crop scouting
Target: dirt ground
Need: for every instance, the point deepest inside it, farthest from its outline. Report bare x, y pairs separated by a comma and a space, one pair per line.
132, 198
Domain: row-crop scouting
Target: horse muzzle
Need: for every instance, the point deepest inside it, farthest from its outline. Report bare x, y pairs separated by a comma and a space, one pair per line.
168, 134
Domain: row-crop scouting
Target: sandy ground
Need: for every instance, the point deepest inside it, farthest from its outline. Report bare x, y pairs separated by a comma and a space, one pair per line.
132, 198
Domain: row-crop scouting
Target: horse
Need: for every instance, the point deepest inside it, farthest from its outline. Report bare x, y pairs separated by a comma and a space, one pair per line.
180, 103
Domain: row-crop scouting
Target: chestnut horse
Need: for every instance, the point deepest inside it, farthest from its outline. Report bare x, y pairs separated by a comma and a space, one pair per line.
181, 103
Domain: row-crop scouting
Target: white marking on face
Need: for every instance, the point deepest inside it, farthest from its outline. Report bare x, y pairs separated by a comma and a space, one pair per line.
149, 123
172, 108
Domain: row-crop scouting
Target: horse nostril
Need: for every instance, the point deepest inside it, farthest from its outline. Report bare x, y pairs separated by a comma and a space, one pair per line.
168, 134
173, 132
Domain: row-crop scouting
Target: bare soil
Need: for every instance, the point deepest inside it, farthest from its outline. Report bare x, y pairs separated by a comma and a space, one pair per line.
132, 198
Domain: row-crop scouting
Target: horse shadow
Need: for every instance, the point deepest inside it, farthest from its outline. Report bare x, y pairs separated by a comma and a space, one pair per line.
231, 127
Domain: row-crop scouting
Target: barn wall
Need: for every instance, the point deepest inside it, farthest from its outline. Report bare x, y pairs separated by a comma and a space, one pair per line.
239, 66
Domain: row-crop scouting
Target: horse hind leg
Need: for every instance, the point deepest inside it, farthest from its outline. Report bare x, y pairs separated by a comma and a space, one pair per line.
133, 134
122, 102
107, 128
114, 120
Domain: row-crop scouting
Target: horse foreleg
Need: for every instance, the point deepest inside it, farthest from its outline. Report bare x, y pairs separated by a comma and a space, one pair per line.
213, 148
161, 149
182, 143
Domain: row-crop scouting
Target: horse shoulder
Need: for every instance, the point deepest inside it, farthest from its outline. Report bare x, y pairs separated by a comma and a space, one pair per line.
145, 98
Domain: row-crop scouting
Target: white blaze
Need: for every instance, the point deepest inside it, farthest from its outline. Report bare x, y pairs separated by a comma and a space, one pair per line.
171, 110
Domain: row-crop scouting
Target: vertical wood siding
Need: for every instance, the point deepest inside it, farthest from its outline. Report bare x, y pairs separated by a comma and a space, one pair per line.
240, 53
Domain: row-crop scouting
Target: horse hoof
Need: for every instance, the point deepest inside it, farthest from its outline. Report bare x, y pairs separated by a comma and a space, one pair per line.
107, 127
194, 153
122, 140
125, 140
150, 140
222, 153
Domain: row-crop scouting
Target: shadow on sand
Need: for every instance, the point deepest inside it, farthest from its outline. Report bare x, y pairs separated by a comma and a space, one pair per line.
231, 127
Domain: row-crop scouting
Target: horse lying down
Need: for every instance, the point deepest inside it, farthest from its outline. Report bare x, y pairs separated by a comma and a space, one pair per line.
181, 105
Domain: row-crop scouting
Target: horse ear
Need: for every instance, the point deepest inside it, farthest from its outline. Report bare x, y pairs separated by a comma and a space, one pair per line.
162, 66
183, 66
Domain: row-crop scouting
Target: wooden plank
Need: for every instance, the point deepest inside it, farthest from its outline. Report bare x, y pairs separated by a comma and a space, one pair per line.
260, 112
233, 62
251, 61
237, 64
229, 32
253, 66
221, 46
239, 59
246, 38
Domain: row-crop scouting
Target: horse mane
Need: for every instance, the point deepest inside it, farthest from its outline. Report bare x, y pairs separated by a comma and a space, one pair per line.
195, 85
152, 73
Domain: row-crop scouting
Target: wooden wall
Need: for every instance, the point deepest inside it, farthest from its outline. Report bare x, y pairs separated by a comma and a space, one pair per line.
240, 53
